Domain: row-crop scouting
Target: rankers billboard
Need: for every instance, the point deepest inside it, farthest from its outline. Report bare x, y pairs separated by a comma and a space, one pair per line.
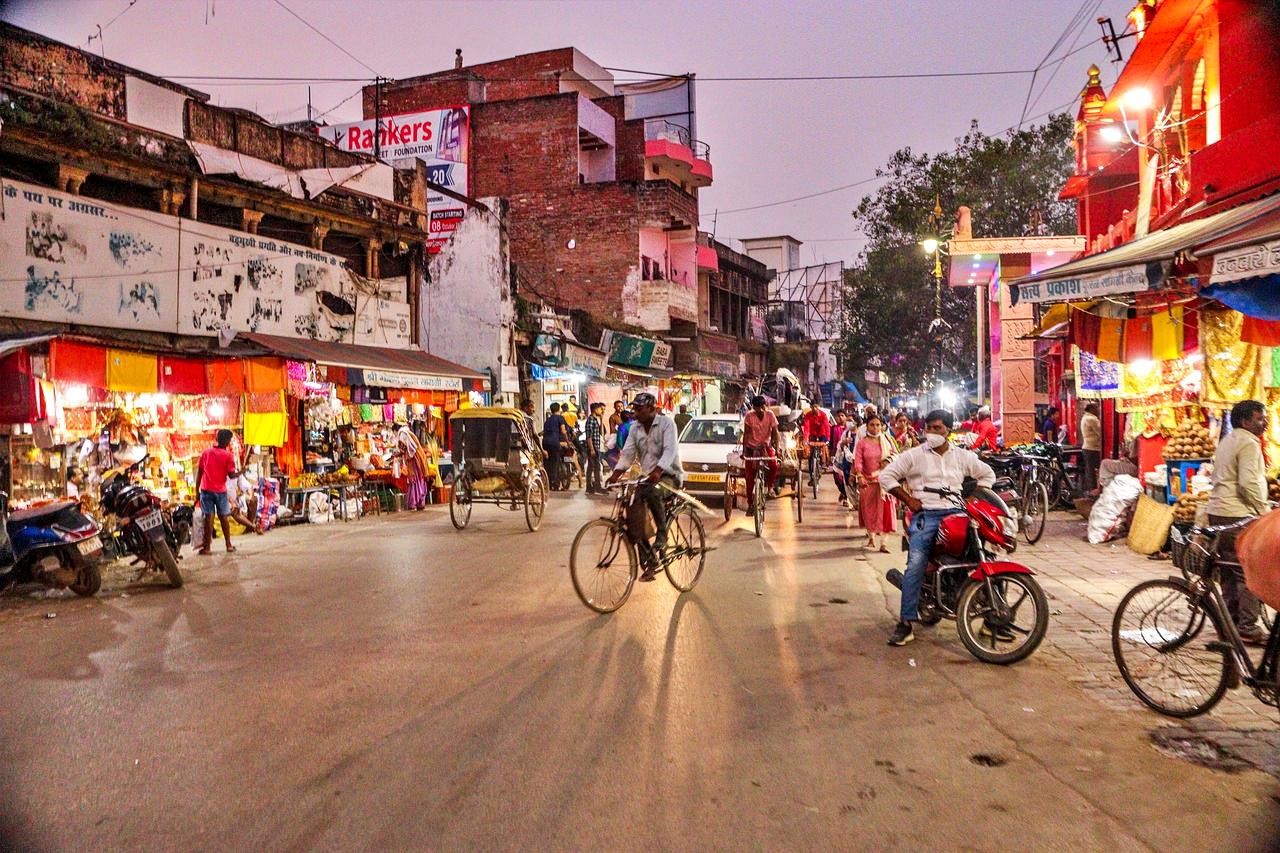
439, 138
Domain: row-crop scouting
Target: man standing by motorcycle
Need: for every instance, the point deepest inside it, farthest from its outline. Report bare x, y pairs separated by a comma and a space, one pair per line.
936, 464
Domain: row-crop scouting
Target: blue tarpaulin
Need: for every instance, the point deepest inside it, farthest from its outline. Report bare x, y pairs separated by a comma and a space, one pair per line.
1255, 297
855, 393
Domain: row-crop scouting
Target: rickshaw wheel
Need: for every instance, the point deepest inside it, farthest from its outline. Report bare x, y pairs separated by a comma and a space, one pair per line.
460, 503
535, 502
728, 497
799, 500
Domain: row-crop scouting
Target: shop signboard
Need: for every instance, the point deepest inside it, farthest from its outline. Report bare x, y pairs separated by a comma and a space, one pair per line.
1247, 262
633, 351
1131, 279
439, 138
582, 360
382, 322
68, 259
411, 381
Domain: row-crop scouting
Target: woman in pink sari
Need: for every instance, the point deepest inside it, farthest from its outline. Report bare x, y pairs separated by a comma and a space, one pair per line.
875, 509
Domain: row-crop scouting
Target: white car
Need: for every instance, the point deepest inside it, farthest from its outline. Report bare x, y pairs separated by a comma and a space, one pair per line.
704, 444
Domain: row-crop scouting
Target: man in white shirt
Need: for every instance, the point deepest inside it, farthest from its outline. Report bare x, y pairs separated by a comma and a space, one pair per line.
652, 441
1240, 492
936, 464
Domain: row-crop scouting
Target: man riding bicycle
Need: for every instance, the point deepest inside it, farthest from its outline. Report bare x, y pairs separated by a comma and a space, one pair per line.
652, 441
936, 464
817, 432
760, 438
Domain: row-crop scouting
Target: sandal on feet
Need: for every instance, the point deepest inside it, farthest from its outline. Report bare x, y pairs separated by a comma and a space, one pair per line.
204, 552
231, 549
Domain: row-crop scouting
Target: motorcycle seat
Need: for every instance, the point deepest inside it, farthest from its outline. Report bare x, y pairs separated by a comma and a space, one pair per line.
41, 511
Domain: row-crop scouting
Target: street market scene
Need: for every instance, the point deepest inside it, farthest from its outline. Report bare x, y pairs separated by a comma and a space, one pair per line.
469, 458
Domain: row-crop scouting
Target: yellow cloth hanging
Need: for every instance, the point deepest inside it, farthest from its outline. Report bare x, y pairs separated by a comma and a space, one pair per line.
132, 372
1166, 334
269, 429
1232, 368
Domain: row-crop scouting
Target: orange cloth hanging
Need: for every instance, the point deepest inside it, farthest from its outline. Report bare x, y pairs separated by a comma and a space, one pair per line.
226, 377
1110, 335
1263, 333
264, 375
132, 372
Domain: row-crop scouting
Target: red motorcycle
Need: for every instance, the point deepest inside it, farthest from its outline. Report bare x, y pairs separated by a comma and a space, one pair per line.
1000, 610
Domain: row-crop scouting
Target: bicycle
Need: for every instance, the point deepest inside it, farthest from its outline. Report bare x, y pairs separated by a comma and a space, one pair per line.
1161, 645
1027, 493
759, 491
817, 452
603, 561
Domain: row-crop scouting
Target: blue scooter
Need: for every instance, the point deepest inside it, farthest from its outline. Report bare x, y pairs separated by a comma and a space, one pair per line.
55, 544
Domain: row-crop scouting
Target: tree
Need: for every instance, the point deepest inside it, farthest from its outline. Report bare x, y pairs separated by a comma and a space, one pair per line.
1007, 181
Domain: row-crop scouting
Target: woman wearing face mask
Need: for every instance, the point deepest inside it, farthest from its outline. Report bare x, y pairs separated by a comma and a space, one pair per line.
875, 508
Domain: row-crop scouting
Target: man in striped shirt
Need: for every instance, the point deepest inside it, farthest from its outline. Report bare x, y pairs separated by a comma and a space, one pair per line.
595, 449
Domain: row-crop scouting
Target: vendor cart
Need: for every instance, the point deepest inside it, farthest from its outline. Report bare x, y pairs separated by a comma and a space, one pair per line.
496, 462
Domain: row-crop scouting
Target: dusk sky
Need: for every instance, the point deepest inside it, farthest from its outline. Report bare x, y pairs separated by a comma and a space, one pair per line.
770, 140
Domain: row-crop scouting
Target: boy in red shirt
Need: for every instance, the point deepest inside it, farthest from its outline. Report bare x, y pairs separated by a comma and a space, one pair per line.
215, 466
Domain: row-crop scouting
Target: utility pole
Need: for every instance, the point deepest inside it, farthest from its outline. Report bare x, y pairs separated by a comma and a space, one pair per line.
377, 117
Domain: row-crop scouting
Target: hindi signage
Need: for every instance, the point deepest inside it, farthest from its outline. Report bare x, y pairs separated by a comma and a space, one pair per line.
1131, 279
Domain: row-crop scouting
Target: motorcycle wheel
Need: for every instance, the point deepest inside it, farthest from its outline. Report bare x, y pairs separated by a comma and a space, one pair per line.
164, 556
88, 580
982, 639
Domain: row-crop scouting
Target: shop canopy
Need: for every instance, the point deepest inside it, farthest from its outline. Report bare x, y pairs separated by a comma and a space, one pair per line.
1139, 265
379, 366
854, 393
1245, 268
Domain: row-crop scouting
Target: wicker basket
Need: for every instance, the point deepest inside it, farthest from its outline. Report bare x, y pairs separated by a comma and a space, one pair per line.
1150, 528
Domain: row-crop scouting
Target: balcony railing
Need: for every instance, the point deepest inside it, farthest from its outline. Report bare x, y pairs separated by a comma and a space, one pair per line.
661, 129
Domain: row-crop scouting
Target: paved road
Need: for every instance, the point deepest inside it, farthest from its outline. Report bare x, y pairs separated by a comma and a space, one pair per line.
393, 684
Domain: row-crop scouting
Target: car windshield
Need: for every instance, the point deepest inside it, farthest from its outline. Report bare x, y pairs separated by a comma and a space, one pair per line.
711, 432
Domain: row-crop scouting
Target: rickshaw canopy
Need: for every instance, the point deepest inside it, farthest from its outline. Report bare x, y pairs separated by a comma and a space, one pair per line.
487, 432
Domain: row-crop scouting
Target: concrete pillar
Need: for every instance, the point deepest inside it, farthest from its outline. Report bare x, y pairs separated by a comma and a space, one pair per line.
193, 198
170, 200
70, 178
1017, 357
372, 249
318, 232
250, 219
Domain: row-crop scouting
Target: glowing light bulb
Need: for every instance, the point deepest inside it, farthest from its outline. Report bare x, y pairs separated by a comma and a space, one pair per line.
1138, 98
1111, 133
930, 245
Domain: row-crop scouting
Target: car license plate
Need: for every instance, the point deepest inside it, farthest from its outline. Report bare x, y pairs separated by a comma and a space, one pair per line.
150, 520
703, 478
89, 546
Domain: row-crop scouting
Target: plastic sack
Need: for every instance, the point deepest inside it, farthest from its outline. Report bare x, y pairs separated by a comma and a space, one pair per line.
1109, 518
1257, 546
197, 530
319, 508
734, 459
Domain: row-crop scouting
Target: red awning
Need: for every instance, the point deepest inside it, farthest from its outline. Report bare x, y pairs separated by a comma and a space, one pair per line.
369, 358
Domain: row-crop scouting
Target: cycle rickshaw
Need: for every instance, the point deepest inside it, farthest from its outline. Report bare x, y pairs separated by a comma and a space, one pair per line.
496, 461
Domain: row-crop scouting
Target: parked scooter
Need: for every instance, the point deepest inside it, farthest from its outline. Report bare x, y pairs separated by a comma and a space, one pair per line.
1001, 612
55, 544
142, 527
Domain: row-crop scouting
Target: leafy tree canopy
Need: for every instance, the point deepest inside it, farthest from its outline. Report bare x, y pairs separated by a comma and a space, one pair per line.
1008, 182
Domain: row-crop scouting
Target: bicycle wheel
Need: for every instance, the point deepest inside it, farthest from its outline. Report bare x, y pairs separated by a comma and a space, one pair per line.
757, 505
460, 503
1008, 629
535, 502
728, 497
603, 565
1161, 637
1036, 513
814, 464
686, 548
798, 500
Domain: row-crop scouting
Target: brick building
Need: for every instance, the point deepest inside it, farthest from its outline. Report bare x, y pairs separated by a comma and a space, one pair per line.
602, 181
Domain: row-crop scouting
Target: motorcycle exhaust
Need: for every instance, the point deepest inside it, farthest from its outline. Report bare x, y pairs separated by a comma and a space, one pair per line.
894, 576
